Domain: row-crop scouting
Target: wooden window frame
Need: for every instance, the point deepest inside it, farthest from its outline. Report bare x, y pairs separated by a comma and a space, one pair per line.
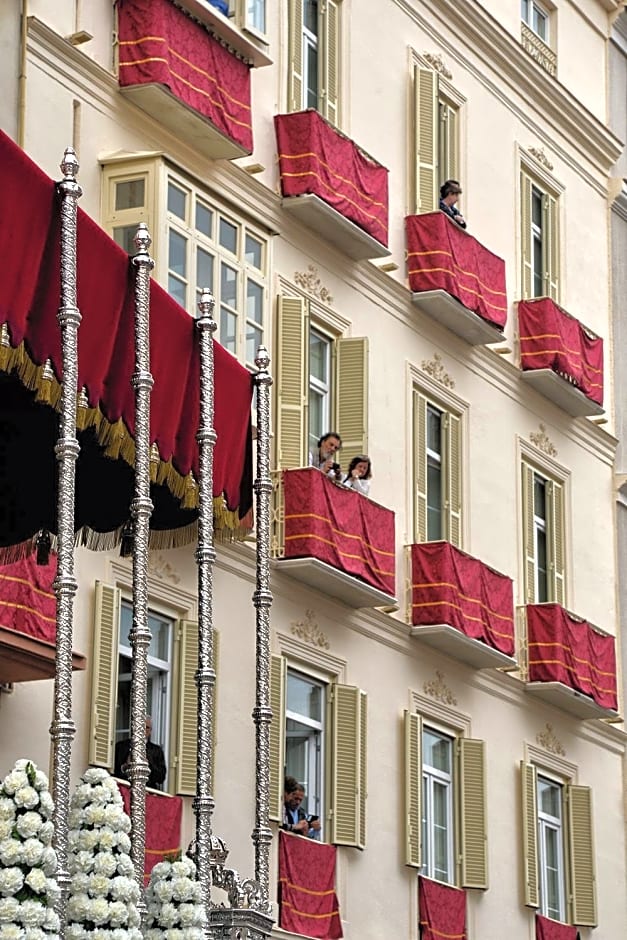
533, 176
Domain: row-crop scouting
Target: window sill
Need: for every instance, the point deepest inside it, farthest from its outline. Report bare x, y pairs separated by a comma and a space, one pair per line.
328, 580
450, 313
568, 397
465, 649
225, 29
570, 700
343, 234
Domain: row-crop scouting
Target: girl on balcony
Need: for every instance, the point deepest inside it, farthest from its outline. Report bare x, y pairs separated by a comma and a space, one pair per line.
359, 474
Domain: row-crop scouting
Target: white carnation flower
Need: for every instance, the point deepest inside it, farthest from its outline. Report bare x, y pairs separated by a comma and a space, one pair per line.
36, 880
6, 828
94, 775
161, 870
77, 907
94, 815
46, 832
75, 932
11, 881
41, 780
7, 808
8, 910
27, 797
10, 932
123, 888
80, 883
116, 818
29, 824
189, 915
105, 863
133, 917
87, 840
118, 913
49, 860
107, 838
83, 861
98, 910
162, 890
10, 852
32, 913
35, 933
183, 868
32, 851
169, 915
123, 842
98, 885
52, 889
125, 865
46, 804
181, 888
52, 922
15, 781
82, 795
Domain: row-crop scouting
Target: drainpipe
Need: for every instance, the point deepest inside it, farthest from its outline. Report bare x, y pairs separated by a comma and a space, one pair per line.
21, 79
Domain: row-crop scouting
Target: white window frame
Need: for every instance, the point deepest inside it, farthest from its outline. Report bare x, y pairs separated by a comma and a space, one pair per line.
547, 823
538, 236
540, 528
310, 40
435, 458
320, 389
316, 769
432, 777
534, 11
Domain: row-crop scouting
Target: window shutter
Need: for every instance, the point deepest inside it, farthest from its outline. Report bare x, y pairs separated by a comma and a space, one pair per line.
420, 466
556, 504
295, 55
550, 246
292, 382
448, 146
278, 678
525, 235
330, 64
426, 138
528, 534
104, 677
530, 837
186, 725
581, 845
348, 717
473, 811
453, 478
413, 788
351, 406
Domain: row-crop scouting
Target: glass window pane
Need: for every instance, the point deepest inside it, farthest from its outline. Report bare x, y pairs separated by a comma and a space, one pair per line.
160, 643
254, 301
312, 75
204, 219
228, 329
539, 497
434, 500
550, 797
126, 622
123, 236
177, 201
311, 16
318, 357
178, 290
130, 194
204, 269
304, 696
253, 252
228, 235
256, 14
228, 285
177, 261
254, 339
436, 751
434, 429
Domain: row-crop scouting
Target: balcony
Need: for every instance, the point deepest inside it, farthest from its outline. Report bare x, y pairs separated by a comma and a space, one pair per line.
333, 539
441, 910
560, 357
461, 607
333, 186
570, 663
454, 279
308, 903
173, 67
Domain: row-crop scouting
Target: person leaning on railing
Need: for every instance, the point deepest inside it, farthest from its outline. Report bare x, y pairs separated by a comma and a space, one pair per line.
323, 458
295, 819
450, 191
359, 474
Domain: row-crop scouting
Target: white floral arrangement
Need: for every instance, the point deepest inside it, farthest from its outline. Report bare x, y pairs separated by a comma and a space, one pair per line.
104, 896
28, 890
174, 902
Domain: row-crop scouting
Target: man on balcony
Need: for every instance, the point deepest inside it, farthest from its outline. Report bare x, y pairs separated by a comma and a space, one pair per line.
295, 819
450, 191
324, 456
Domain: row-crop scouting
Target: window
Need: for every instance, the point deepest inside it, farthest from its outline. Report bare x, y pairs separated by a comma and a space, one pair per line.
436, 136
322, 384
558, 847
543, 537
318, 734
251, 15
172, 693
445, 794
540, 240
436, 471
536, 18
314, 50
204, 245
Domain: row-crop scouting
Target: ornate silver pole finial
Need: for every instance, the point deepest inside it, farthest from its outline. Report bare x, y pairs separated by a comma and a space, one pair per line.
141, 510
205, 559
62, 729
262, 599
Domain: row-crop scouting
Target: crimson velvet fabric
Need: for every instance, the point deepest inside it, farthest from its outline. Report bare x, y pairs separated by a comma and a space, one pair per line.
442, 911
163, 826
442, 256
27, 601
316, 158
340, 527
565, 649
307, 899
547, 929
551, 339
160, 44
451, 587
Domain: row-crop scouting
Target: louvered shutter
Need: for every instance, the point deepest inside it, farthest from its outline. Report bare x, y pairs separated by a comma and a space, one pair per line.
351, 405
530, 833
473, 813
413, 789
295, 55
104, 677
550, 246
426, 138
185, 723
581, 845
557, 561
529, 543
525, 235
278, 678
348, 733
292, 382
420, 466
448, 145
453, 484
330, 61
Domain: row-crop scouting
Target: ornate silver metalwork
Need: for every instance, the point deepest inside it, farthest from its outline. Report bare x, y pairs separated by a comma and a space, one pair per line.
141, 510
262, 599
245, 916
62, 729
205, 558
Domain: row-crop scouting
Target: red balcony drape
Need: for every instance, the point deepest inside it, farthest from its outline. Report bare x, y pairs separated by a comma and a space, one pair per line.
551, 339
340, 527
307, 898
442, 256
27, 600
442, 911
316, 158
160, 44
562, 648
547, 929
451, 587
163, 826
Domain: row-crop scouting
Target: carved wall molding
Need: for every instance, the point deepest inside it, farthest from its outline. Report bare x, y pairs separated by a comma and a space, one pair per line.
158, 567
542, 441
309, 631
435, 368
436, 62
310, 281
541, 157
438, 689
549, 741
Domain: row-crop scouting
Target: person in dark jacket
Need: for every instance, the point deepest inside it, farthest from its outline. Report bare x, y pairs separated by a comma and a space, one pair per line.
154, 756
449, 194
295, 819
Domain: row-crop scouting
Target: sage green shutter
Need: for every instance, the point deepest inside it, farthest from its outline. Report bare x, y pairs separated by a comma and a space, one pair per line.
292, 382
426, 138
530, 833
526, 187
278, 678
413, 789
550, 246
186, 725
329, 76
420, 466
453, 482
351, 405
348, 760
581, 846
555, 505
104, 676
473, 813
295, 55
529, 542
448, 142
